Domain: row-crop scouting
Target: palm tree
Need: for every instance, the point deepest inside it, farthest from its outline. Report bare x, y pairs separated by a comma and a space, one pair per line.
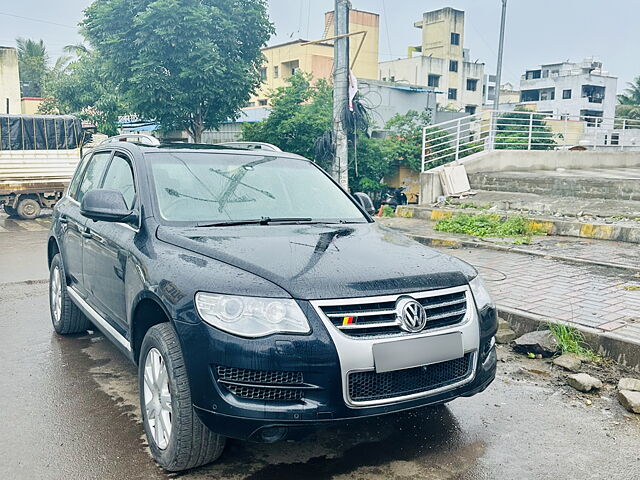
77, 49
32, 62
629, 101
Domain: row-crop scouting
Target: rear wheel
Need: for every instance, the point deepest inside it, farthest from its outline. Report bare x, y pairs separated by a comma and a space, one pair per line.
10, 210
177, 438
65, 315
28, 208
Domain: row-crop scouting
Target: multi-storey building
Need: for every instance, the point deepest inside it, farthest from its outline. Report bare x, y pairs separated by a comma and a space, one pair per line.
441, 62
582, 90
9, 81
283, 60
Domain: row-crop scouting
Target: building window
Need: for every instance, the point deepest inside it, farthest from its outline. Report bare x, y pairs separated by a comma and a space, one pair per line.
593, 93
566, 94
455, 38
453, 65
472, 84
532, 74
470, 109
548, 94
433, 81
263, 74
262, 102
276, 72
453, 93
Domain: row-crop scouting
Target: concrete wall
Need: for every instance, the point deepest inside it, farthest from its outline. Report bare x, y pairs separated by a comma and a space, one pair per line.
9, 81
526, 161
389, 99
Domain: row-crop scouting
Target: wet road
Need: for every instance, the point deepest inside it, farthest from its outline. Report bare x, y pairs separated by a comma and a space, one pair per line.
69, 410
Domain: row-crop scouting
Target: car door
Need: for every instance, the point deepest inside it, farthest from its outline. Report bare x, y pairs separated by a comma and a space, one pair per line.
72, 223
107, 248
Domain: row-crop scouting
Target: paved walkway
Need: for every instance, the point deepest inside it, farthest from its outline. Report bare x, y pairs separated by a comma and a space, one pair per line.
15, 224
590, 295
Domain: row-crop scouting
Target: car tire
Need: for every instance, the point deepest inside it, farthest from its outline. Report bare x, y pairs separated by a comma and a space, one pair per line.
66, 317
28, 208
183, 442
10, 210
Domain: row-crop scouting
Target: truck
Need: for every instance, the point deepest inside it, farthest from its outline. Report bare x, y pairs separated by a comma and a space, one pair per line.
38, 155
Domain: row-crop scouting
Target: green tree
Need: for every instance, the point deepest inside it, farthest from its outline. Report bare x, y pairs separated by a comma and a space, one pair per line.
629, 101
512, 132
300, 114
32, 62
84, 88
188, 64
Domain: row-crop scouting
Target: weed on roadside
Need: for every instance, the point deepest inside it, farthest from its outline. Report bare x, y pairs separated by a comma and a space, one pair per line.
571, 340
484, 225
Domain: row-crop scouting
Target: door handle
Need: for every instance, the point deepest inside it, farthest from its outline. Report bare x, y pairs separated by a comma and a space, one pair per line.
64, 220
87, 233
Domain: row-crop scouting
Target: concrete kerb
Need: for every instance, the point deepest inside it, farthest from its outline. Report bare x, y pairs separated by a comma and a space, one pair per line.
459, 243
561, 227
609, 344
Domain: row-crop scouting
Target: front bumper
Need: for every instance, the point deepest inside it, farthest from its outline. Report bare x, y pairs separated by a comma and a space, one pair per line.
324, 360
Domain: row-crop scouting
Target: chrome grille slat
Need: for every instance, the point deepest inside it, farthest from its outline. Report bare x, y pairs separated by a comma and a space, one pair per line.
378, 318
362, 314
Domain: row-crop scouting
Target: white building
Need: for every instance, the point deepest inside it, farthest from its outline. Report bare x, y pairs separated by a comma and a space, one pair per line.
9, 81
442, 64
570, 89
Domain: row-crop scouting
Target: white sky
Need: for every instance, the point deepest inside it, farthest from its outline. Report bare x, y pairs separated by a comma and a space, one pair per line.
538, 31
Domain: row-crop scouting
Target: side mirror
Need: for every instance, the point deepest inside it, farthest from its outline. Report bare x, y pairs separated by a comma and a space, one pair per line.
365, 201
107, 206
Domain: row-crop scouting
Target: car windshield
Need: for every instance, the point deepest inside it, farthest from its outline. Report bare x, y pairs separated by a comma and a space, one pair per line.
216, 188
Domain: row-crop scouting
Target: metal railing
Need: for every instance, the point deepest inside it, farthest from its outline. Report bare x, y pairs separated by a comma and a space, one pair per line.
521, 130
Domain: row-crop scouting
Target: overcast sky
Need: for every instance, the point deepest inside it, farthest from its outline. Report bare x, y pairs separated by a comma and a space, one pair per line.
538, 31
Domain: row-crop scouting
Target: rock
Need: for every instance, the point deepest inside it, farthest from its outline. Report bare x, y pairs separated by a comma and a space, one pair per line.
505, 335
568, 361
542, 342
630, 400
503, 324
583, 382
632, 384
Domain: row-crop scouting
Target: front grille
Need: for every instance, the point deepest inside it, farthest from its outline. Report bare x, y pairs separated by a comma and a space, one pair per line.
370, 386
379, 318
262, 384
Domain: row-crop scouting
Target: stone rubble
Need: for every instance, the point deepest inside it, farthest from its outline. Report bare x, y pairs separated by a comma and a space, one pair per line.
541, 342
584, 382
568, 361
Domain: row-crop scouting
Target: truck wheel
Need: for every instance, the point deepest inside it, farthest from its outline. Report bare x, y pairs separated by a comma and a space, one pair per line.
65, 315
28, 208
177, 438
10, 210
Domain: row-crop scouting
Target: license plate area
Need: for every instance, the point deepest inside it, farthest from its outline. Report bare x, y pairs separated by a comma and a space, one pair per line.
416, 352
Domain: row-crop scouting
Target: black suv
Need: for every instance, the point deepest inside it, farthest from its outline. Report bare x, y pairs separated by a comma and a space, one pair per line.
257, 297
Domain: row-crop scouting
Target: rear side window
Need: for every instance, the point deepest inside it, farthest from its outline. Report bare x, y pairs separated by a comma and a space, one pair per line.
93, 174
119, 177
73, 186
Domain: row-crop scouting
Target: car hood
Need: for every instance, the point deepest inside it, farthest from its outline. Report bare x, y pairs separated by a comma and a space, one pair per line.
326, 261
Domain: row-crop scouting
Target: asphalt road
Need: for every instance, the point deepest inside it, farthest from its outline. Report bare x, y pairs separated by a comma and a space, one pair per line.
69, 410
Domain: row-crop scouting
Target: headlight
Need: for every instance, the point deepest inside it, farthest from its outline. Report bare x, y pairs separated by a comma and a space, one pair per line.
251, 316
480, 293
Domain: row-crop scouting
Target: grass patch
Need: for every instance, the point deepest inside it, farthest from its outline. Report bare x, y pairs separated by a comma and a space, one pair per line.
631, 288
472, 205
571, 340
484, 225
387, 211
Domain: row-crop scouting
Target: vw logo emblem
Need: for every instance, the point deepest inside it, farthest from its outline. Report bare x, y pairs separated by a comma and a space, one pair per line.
411, 315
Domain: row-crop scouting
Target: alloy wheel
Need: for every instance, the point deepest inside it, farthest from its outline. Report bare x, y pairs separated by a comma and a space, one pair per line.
157, 398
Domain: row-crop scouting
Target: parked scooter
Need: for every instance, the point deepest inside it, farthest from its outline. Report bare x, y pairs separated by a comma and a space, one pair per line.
395, 197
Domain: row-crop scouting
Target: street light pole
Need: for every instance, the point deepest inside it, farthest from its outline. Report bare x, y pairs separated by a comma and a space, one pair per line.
496, 100
340, 171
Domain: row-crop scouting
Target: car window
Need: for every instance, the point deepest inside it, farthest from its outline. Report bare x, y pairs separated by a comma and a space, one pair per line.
75, 181
209, 187
93, 173
119, 176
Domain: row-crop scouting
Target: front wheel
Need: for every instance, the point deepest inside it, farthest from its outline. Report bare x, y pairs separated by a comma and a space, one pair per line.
28, 208
177, 438
65, 315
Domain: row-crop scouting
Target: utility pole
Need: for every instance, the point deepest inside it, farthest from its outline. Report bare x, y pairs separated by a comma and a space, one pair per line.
340, 171
496, 100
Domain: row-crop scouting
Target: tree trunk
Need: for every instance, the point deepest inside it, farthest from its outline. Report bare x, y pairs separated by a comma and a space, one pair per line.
197, 127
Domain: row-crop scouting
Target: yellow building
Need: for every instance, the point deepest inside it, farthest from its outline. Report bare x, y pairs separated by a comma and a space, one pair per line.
284, 60
31, 105
9, 81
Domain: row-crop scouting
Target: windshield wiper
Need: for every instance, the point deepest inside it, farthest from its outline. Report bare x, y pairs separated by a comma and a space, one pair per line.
260, 221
